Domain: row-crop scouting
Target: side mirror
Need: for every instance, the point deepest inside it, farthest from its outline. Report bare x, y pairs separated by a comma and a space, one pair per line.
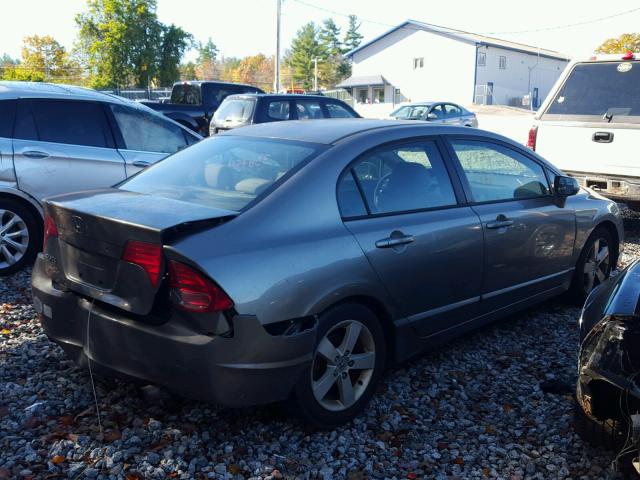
565, 186
432, 116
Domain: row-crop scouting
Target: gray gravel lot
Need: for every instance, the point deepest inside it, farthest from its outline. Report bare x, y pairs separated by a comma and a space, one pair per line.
472, 409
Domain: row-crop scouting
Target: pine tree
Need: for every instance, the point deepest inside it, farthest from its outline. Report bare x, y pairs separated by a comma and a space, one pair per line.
331, 71
353, 37
304, 48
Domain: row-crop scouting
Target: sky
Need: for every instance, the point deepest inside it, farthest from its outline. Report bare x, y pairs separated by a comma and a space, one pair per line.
247, 27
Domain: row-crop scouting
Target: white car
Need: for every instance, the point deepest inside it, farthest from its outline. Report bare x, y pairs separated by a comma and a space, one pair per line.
589, 125
445, 113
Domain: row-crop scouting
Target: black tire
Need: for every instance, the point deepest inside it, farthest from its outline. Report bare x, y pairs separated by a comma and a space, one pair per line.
34, 229
579, 289
304, 400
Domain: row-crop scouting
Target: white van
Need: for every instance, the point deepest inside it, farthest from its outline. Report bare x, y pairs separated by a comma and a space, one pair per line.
589, 125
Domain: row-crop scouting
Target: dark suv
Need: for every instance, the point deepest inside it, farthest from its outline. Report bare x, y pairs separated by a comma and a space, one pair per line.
247, 109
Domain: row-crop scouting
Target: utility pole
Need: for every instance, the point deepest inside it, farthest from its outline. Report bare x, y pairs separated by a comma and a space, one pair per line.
315, 74
276, 81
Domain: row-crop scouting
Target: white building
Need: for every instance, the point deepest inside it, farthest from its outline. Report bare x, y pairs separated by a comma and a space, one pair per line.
418, 62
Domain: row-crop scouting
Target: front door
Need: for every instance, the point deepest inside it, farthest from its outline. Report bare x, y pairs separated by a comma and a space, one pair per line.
63, 146
529, 238
425, 248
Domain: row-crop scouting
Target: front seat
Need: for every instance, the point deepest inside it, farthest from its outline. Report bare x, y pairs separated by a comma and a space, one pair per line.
409, 186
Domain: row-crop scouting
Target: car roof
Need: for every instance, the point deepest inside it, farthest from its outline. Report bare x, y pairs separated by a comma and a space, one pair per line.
12, 89
214, 82
332, 130
280, 96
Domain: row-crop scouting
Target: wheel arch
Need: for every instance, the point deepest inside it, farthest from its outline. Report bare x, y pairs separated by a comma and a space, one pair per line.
611, 228
34, 207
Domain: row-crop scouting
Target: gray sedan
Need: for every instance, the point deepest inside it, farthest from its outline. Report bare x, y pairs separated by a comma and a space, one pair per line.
445, 113
294, 260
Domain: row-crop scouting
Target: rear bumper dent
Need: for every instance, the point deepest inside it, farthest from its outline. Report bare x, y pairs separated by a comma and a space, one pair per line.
252, 367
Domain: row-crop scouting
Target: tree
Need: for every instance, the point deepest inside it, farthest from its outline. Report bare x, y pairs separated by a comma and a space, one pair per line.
124, 43
7, 66
257, 70
353, 37
43, 59
188, 71
207, 55
627, 42
332, 66
174, 43
304, 48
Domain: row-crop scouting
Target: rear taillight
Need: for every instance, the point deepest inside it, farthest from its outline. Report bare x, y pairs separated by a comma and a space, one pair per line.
533, 136
193, 292
146, 255
50, 229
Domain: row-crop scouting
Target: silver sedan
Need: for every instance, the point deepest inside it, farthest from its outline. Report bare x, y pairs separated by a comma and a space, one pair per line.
445, 113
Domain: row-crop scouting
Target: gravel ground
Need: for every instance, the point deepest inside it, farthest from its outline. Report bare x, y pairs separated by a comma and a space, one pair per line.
472, 409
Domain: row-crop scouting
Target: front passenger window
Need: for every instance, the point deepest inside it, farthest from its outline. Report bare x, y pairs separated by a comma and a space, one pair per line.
495, 172
398, 179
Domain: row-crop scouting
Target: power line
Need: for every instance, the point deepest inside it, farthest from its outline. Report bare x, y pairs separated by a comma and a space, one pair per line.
410, 27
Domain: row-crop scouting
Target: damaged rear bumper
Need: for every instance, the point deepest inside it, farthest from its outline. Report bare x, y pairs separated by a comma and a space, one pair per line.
249, 367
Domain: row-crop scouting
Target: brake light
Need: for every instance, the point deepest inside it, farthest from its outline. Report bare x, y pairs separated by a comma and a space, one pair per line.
628, 56
50, 229
193, 292
533, 137
145, 254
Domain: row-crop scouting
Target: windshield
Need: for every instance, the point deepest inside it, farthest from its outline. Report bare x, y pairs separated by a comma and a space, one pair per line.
223, 172
607, 91
186, 94
411, 112
237, 110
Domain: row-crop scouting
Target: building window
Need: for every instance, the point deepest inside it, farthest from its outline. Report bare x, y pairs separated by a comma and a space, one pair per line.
503, 62
362, 95
378, 94
418, 62
482, 59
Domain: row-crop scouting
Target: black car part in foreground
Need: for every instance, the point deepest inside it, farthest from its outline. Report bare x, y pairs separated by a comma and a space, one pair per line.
608, 390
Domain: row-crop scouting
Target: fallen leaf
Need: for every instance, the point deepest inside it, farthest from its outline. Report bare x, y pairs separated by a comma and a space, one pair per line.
133, 476
234, 469
459, 461
5, 473
490, 430
486, 471
65, 420
84, 413
112, 436
412, 475
443, 445
5, 331
58, 459
507, 408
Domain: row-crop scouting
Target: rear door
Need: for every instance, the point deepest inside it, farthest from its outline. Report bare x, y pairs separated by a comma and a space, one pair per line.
595, 111
528, 236
338, 110
144, 138
64, 146
7, 115
453, 114
425, 247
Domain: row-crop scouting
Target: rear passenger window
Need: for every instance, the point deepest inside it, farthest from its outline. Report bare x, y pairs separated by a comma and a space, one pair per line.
398, 179
309, 109
148, 132
75, 123
279, 110
499, 173
24, 129
452, 110
7, 114
338, 111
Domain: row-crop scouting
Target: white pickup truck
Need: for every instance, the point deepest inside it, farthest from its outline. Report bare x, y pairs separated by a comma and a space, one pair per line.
589, 125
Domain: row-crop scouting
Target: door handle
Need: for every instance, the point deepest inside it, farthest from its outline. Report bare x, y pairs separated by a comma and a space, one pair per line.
501, 221
140, 164
395, 241
35, 154
602, 137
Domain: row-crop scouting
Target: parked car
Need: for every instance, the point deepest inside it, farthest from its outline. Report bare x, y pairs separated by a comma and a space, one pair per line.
193, 104
241, 110
294, 259
436, 112
589, 125
56, 139
608, 390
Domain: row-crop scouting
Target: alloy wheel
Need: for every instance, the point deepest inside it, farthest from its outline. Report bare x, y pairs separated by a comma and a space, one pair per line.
14, 238
343, 365
597, 264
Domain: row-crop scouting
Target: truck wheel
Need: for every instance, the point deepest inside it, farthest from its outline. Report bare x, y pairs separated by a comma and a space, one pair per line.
20, 236
347, 363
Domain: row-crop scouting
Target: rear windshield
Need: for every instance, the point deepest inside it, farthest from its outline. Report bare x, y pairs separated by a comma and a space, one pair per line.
608, 91
187, 94
239, 110
224, 171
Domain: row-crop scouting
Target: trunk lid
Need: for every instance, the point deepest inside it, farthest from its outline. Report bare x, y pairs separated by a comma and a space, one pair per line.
94, 228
